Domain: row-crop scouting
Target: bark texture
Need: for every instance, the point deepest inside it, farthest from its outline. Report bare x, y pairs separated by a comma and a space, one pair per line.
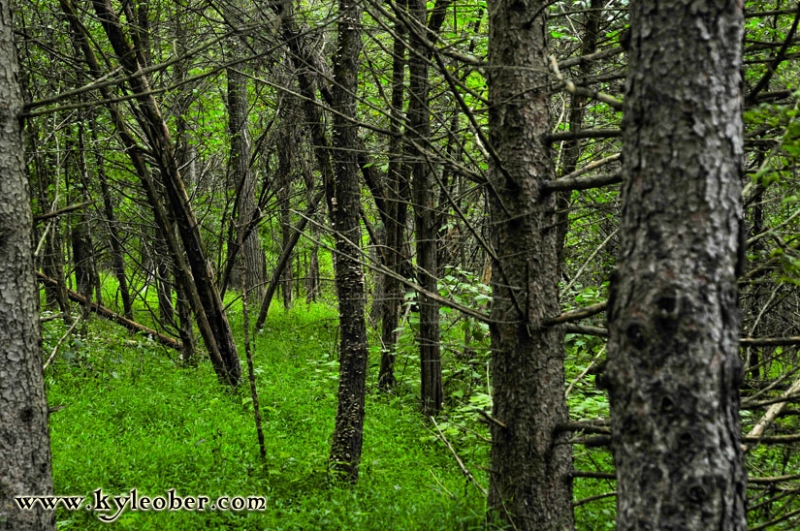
530, 484
673, 354
344, 203
25, 466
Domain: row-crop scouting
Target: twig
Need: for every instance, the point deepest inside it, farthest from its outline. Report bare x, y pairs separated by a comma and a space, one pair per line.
577, 315
59, 343
594, 498
464, 469
612, 102
61, 211
584, 372
490, 418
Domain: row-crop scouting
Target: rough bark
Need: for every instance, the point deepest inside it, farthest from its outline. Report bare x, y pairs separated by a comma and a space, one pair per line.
673, 358
530, 484
344, 203
25, 464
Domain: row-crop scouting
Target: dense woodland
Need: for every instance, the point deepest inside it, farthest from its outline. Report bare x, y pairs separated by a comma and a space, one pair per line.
403, 264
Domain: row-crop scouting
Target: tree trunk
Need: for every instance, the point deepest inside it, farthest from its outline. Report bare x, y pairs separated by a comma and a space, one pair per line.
673, 350
571, 151
344, 203
241, 181
25, 464
397, 209
530, 484
424, 213
161, 269
286, 158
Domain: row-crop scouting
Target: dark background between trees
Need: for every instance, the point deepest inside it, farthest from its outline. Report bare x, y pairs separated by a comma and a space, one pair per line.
457, 178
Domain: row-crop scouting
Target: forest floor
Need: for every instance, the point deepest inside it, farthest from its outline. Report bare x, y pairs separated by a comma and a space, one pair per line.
133, 417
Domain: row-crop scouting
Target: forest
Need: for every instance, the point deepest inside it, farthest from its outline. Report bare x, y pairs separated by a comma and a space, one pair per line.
399, 265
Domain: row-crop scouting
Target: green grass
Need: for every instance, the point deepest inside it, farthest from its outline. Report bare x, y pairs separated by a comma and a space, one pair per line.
134, 418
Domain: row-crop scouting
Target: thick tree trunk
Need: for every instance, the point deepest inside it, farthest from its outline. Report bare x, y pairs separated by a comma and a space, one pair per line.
674, 368
530, 483
344, 203
25, 466
424, 213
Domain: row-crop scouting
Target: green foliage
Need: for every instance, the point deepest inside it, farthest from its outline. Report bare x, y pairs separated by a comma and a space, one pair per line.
133, 418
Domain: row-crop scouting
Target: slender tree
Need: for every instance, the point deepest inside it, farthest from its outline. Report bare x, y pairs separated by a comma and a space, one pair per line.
25, 467
419, 131
344, 205
673, 351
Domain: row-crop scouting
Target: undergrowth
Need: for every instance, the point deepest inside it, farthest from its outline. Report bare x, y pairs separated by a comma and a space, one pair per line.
133, 417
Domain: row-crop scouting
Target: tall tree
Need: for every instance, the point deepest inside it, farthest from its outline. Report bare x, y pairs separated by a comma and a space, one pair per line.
25, 467
344, 205
530, 484
673, 350
422, 179
397, 211
240, 179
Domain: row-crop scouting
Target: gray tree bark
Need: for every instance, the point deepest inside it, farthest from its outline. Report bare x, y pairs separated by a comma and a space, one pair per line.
673, 349
530, 484
25, 464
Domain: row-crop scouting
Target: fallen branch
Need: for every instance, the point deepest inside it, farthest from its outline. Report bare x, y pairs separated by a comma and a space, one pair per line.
61, 211
104, 312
